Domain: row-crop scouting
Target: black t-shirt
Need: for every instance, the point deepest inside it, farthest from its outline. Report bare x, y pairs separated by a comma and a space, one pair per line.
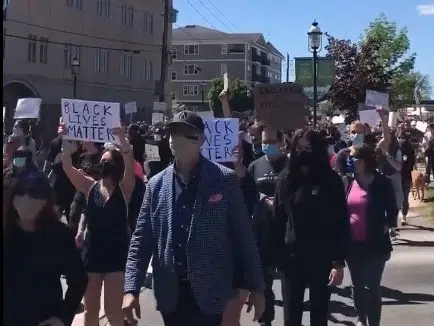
265, 173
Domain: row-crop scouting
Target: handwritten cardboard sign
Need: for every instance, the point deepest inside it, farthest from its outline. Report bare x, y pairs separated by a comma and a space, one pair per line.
152, 153
377, 99
130, 107
27, 108
157, 117
221, 137
368, 114
91, 120
281, 106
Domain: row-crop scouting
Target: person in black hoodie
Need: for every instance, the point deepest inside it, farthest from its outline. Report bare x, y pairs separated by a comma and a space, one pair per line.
311, 228
408, 164
37, 250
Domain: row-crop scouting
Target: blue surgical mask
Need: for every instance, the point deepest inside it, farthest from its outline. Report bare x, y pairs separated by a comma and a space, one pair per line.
271, 150
19, 162
357, 139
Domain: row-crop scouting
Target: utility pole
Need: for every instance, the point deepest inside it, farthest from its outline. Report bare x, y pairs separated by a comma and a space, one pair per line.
287, 67
164, 52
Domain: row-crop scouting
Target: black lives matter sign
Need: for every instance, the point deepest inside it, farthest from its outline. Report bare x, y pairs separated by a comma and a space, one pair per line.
90, 120
221, 137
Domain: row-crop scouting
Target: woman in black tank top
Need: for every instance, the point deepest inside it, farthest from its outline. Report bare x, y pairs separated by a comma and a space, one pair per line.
106, 240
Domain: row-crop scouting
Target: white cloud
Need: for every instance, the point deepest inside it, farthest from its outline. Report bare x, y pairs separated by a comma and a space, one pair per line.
425, 10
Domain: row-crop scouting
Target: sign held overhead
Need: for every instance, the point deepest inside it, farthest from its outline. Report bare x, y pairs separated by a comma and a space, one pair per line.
221, 137
28, 108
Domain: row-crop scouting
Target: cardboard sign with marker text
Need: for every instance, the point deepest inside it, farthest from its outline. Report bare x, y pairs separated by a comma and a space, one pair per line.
27, 108
221, 137
91, 120
281, 106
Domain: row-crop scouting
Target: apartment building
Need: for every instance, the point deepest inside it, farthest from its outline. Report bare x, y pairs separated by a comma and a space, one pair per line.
200, 54
116, 43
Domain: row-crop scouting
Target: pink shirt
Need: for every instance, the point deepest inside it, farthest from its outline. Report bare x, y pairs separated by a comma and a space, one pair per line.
138, 171
357, 199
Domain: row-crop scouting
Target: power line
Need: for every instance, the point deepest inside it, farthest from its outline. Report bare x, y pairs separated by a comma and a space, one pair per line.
200, 13
135, 51
221, 14
212, 13
80, 34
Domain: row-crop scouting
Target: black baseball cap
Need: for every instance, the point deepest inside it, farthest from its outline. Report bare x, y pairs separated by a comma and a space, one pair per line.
187, 118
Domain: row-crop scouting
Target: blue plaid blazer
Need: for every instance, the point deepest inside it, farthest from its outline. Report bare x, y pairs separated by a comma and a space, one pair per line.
221, 232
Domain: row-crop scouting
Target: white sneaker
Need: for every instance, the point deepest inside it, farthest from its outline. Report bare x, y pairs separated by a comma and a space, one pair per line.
392, 234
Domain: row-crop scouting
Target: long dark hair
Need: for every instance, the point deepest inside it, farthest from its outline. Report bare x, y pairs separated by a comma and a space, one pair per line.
292, 178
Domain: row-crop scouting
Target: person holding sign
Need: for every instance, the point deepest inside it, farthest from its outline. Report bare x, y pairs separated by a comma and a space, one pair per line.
194, 224
105, 241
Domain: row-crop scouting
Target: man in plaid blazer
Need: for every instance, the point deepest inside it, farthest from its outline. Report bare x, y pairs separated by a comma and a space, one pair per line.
194, 224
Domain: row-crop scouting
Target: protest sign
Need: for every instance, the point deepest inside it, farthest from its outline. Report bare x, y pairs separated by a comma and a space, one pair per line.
91, 120
221, 137
225, 82
421, 126
157, 117
28, 108
393, 119
376, 99
281, 106
159, 107
338, 119
152, 153
368, 114
130, 107
4, 113
206, 115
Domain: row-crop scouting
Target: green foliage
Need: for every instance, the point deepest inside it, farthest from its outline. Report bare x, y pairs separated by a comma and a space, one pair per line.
240, 96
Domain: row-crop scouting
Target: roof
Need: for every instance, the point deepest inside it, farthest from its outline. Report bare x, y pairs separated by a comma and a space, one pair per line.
200, 33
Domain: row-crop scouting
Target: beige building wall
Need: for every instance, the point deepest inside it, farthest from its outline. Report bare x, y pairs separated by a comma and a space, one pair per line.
116, 46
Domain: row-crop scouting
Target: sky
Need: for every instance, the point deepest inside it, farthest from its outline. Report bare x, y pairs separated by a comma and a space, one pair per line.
286, 22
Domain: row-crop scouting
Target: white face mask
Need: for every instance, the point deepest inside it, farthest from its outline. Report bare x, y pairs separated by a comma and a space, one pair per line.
183, 148
28, 208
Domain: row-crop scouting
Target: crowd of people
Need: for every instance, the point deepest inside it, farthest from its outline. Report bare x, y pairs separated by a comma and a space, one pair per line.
303, 203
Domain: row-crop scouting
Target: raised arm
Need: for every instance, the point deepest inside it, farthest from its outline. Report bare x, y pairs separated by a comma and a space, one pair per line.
128, 181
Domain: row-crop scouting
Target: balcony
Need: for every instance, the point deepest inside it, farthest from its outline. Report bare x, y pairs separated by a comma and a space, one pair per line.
256, 57
256, 77
264, 59
265, 80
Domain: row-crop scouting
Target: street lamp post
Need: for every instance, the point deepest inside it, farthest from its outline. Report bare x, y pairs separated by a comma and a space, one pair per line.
202, 86
75, 66
315, 45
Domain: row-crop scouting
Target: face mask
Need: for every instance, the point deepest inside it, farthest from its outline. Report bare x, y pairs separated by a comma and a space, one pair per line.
107, 169
271, 150
357, 139
183, 148
303, 158
19, 162
157, 137
17, 132
331, 150
28, 208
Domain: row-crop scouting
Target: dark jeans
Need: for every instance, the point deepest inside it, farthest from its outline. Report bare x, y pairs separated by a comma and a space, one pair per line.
188, 312
406, 187
268, 315
366, 271
298, 277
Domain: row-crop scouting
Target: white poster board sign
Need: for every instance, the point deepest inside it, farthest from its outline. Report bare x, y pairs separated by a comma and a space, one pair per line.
91, 120
130, 107
221, 137
206, 115
157, 117
4, 113
371, 117
421, 126
159, 107
338, 119
393, 119
28, 108
225, 82
152, 153
377, 99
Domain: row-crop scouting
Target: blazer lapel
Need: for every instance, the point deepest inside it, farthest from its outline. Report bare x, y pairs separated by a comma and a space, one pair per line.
167, 198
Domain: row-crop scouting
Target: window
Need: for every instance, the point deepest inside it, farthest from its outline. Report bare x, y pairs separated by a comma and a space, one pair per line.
173, 96
191, 70
174, 53
101, 61
126, 65
71, 52
148, 23
31, 49
103, 8
191, 90
223, 68
77, 4
148, 73
43, 50
224, 49
127, 17
191, 49
173, 75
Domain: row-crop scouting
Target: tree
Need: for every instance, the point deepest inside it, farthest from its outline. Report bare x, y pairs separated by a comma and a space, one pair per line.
240, 96
357, 69
394, 57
